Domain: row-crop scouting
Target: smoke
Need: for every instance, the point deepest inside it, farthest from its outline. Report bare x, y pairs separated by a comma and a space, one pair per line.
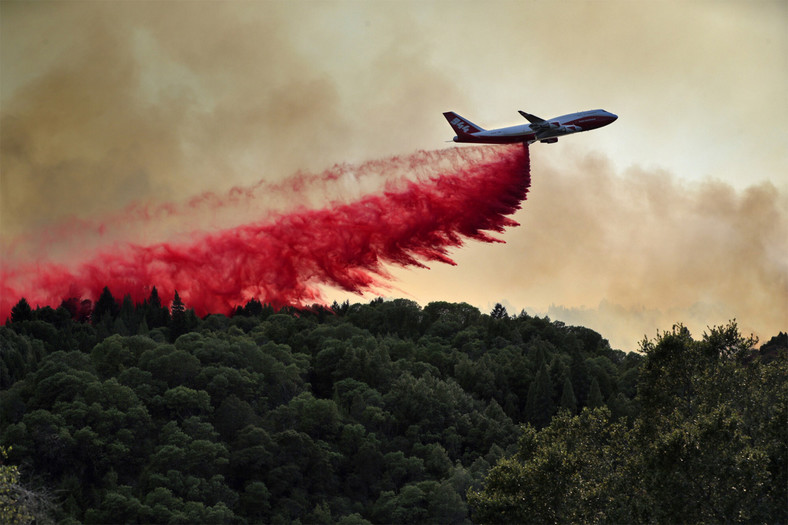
630, 252
644, 240
127, 102
146, 222
459, 194
126, 123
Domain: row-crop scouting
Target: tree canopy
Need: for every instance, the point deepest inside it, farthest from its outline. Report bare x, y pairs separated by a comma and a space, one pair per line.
708, 445
381, 412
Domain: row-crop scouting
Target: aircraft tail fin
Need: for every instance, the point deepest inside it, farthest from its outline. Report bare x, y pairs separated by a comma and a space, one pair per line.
461, 125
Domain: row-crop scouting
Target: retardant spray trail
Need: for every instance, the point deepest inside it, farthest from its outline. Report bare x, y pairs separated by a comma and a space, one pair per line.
284, 260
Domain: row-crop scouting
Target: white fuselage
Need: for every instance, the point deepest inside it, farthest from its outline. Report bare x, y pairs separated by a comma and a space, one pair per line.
541, 131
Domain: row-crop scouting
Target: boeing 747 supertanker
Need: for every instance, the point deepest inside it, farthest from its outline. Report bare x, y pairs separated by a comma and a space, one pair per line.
539, 130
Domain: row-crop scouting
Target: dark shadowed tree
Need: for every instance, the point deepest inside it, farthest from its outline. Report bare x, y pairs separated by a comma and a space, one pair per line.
595, 395
72, 306
106, 308
568, 400
499, 312
539, 405
178, 321
157, 315
128, 314
85, 310
21, 311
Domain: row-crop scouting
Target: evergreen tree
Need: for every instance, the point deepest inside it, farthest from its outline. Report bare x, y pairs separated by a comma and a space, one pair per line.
539, 405
21, 312
595, 398
340, 309
143, 327
128, 314
540, 356
499, 312
119, 327
253, 308
178, 321
578, 371
157, 315
72, 306
85, 311
177, 305
106, 308
559, 373
568, 400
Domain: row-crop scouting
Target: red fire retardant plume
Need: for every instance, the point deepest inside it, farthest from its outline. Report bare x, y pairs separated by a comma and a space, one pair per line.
282, 261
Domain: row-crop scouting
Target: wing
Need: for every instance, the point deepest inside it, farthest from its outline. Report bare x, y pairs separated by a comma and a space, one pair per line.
540, 125
533, 119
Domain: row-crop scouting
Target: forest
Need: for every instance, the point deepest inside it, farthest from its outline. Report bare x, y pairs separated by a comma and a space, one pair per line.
384, 412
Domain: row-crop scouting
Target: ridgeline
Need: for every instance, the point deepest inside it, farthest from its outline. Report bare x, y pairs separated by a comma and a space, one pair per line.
384, 412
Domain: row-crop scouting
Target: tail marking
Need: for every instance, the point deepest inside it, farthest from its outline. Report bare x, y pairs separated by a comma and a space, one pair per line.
461, 125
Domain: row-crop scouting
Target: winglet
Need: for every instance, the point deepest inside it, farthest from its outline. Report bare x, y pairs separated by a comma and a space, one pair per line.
533, 119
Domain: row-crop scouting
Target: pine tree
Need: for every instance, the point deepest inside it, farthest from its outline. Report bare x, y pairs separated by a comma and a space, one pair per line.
72, 305
21, 312
253, 308
119, 327
578, 371
499, 312
105, 308
539, 404
177, 305
595, 398
128, 314
178, 322
568, 400
143, 327
157, 315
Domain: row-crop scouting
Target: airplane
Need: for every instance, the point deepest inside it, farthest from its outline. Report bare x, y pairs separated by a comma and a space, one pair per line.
539, 130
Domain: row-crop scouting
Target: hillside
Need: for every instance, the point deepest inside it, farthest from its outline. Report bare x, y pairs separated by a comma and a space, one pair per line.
381, 412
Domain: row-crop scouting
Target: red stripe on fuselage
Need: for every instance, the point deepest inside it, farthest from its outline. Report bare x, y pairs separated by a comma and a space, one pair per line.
593, 122
503, 139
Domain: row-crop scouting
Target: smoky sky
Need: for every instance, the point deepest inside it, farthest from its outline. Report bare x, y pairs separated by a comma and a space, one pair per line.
134, 101
121, 116
675, 212
631, 252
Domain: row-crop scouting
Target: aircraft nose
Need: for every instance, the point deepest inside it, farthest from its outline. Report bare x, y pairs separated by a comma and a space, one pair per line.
612, 116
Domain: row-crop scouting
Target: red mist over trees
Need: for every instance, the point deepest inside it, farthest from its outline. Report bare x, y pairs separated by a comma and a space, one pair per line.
283, 260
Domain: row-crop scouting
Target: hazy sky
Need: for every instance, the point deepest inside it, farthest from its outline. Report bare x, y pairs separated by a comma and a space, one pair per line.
676, 212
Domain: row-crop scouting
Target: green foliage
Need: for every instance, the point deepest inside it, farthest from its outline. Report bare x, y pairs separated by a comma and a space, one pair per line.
568, 400
539, 403
562, 474
12, 509
595, 399
707, 446
380, 412
18, 503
